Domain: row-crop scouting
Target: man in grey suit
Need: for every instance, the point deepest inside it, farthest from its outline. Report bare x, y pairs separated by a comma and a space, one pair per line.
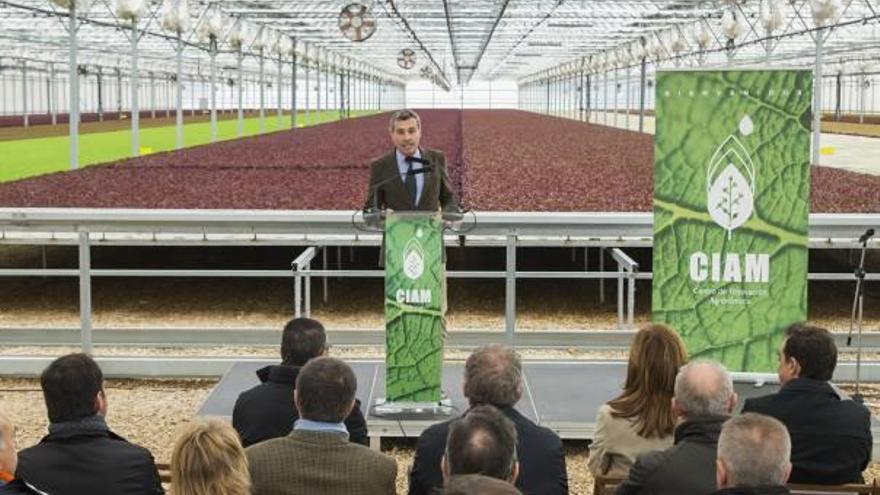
409, 178
316, 457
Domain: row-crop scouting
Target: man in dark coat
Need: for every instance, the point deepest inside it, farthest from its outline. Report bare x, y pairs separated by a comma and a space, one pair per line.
394, 186
831, 438
493, 376
753, 456
267, 410
704, 399
81, 455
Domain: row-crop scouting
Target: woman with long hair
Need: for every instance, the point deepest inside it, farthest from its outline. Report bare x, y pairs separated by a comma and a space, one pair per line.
208, 459
640, 419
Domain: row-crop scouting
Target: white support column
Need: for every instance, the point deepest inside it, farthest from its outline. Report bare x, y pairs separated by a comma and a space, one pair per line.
262, 91
817, 97
279, 94
135, 83
240, 94
152, 95
24, 94
74, 90
318, 95
213, 47
293, 88
179, 90
53, 94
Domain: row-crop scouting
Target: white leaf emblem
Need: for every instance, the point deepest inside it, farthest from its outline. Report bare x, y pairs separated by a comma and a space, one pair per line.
413, 260
731, 192
731, 201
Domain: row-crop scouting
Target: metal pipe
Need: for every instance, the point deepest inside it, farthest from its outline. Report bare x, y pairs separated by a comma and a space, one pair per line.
152, 95
85, 293
262, 92
642, 95
293, 88
279, 94
135, 83
73, 124
510, 289
817, 98
179, 96
53, 94
213, 47
24, 93
240, 94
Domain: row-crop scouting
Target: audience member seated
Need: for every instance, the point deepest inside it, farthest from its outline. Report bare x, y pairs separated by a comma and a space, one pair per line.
483, 441
753, 453
316, 457
640, 419
9, 484
267, 411
704, 398
477, 484
208, 459
830, 438
81, 455
493, 376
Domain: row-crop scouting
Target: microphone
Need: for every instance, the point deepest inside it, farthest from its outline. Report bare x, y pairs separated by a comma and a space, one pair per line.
424, 170
410, 159
867, 235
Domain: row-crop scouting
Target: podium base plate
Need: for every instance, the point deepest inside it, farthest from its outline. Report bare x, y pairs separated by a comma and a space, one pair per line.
413, 411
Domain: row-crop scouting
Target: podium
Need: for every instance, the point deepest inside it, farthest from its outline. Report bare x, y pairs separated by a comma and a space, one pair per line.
415, 316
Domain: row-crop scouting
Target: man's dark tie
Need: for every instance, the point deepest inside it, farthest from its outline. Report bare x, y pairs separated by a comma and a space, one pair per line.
410, 182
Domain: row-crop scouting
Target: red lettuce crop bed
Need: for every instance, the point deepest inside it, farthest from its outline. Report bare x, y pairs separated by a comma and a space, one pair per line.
510, 161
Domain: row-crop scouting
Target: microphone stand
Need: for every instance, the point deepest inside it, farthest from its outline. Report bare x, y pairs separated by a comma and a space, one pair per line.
858, 307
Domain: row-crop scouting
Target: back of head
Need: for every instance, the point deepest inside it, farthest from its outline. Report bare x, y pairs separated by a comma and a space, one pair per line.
70, 385
303, 339
814, 350
656, 355
208, 459
493, 375
325, 390
754, 450
704, 388
475, 484
483, 441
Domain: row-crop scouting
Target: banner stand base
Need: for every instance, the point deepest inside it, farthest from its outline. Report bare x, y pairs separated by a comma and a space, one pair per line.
413, 410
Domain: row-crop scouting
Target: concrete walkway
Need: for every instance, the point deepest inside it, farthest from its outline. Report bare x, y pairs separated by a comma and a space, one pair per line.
853, 153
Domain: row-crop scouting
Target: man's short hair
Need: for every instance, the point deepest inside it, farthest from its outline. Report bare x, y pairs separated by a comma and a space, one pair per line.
755, 450
402, 115
303, 339
704, 388
483, 441
70, 385
493, 375
814, 350
475, 484
326, 387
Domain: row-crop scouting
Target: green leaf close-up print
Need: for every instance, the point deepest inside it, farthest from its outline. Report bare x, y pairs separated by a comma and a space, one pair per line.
415, 304
731, 210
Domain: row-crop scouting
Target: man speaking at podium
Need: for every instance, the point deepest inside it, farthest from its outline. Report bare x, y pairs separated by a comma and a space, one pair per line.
409, 178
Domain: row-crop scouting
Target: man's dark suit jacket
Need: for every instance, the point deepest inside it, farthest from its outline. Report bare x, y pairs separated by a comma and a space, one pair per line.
89, 462
541, 458
831, 438
267, 411
686, 468
386, 189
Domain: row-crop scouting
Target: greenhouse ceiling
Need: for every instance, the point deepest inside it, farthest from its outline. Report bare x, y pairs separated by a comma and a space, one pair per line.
450, 41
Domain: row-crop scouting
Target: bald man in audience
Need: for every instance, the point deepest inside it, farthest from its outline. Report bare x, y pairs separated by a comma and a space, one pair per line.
483, 441
703, 401
753, 456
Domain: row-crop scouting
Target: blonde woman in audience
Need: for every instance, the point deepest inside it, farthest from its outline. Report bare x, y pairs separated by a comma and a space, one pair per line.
640, 419
208, 459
